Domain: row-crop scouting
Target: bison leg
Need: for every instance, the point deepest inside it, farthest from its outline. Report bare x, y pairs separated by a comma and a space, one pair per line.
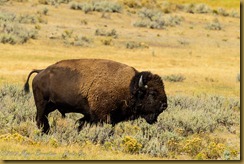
41, 116
82, 122
43, 109
42, 123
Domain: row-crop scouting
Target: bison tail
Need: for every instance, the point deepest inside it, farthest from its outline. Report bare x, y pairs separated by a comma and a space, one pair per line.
26, 86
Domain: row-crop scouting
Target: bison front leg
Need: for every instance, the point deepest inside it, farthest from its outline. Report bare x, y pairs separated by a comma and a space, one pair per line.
82, 122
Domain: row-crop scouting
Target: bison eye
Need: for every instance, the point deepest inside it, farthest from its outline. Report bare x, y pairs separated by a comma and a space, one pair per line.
140, 94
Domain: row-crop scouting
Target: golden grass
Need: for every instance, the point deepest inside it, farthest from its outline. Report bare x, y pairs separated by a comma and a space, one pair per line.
229, 4
207, 54
200, 77
15, 151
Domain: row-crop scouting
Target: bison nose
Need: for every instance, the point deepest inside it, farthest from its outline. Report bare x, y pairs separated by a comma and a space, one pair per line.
164, 106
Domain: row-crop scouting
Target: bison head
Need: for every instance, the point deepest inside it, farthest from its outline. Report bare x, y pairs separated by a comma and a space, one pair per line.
149, 94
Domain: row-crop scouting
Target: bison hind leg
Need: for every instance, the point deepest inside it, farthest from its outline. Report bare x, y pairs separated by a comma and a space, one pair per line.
42, 123
43, 109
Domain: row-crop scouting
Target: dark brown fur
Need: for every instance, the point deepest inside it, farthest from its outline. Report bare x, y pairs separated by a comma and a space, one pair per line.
102, 90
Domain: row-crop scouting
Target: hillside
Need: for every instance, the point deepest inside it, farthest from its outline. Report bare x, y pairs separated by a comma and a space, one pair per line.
194, 47
203, 56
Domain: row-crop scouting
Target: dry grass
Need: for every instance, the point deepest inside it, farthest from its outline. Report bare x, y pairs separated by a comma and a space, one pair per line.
229, 4
214, 119
73, 152
207, 54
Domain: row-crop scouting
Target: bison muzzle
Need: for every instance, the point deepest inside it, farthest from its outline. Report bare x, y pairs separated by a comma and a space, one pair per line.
101, 90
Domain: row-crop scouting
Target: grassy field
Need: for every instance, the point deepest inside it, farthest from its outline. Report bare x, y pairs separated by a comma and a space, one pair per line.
193, 45
228, 4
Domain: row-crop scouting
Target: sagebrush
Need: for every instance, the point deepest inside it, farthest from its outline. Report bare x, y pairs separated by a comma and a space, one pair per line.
12, 30
99, 6
182, 128
156, 19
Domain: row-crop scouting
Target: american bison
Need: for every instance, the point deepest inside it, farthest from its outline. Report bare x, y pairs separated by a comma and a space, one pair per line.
101, 90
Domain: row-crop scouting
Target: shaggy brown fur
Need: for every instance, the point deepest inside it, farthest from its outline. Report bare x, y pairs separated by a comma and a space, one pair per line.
102, 90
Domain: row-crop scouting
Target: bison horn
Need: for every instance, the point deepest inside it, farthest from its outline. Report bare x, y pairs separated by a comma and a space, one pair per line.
141, 82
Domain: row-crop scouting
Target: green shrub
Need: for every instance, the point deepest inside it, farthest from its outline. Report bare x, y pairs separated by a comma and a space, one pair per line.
174, 78
16, 107
213, 112
7, 38
214, 25
67, 34
110, 33
149, 13
215, 150
44, 2
167, 7
132, 3
223, 12
181, 129
234, 14
134, 45
150, 4
193, 146
64, 1
154, 148
197, 8
53, 142
53, 2
173, 20
141, 3
173, 145
44, 11
201, 156
17, 138
28, 19
12, 30
7, 17
107, 6
99, 6
107, 41
202, 8
70, 38
75, 6
183, 41
156, 19
82, 41
86, 7
131, 145
78, 41
189, 8
13, 33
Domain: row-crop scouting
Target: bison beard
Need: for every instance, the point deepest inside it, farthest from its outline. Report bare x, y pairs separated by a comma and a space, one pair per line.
101, 90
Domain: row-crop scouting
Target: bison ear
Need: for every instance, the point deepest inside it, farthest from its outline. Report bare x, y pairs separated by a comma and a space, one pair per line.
140, 83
